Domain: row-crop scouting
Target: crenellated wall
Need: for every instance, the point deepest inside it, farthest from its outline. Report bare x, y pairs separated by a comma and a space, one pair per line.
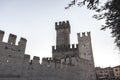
65, 47
68, 62
11, 56
62, 25
12, 42
71, 68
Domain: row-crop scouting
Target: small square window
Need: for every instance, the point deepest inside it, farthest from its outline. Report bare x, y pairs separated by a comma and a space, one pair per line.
6, 47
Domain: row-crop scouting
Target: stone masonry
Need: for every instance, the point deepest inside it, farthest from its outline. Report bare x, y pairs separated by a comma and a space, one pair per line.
68, 61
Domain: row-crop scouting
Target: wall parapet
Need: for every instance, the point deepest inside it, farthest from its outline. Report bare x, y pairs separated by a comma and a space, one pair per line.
72, 47
62, 25
84, 34
36, 58
69, 61
12, 40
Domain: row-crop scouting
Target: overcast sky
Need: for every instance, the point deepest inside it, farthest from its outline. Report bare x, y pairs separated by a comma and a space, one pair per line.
35, 20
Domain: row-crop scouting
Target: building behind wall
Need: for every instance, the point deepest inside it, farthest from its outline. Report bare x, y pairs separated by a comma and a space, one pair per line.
68, 61
108, 73
104, 73
116, 70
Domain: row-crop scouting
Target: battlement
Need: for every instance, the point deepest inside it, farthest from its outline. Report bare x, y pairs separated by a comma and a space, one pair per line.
12, 39
70, 61
83, 34
62, 25
26, 56
47, 59
11, 43
22, 41
71, 47
36, 58
1, 35
22, 44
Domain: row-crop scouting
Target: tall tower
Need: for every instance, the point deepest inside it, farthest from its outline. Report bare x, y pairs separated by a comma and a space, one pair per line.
86, 53
85, 46
62, 33
62, 48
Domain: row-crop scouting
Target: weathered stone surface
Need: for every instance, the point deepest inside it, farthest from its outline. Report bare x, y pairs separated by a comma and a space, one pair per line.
73, 62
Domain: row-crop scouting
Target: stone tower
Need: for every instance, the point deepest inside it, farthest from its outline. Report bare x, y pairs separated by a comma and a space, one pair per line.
63, 49
86, 53
85, 46
62, 33
80, 54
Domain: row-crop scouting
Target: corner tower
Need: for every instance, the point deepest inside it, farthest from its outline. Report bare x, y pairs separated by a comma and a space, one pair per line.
62, 33
85, 46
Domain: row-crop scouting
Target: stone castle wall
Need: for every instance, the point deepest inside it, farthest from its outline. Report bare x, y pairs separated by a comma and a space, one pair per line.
68, 62
11, 55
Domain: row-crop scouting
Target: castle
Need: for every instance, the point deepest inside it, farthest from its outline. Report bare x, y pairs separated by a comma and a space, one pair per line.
68, 62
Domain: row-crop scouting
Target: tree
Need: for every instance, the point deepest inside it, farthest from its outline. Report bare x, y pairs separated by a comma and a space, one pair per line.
91, 4
110, 11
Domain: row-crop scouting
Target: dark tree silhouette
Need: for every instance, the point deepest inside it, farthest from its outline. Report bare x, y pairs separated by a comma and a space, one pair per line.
110, 11
91, 4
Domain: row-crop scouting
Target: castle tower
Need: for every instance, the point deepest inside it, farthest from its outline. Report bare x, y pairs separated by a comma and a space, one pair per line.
86, 53
85, 46
62, 33
62, 48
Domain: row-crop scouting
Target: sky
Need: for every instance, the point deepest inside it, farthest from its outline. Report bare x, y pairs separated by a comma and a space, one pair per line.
35, 21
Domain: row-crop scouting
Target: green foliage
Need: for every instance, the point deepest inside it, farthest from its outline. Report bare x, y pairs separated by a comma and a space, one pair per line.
111, 13
91, 4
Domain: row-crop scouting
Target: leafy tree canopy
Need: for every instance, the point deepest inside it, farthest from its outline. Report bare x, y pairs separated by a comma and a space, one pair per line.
110, 11
91, 4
